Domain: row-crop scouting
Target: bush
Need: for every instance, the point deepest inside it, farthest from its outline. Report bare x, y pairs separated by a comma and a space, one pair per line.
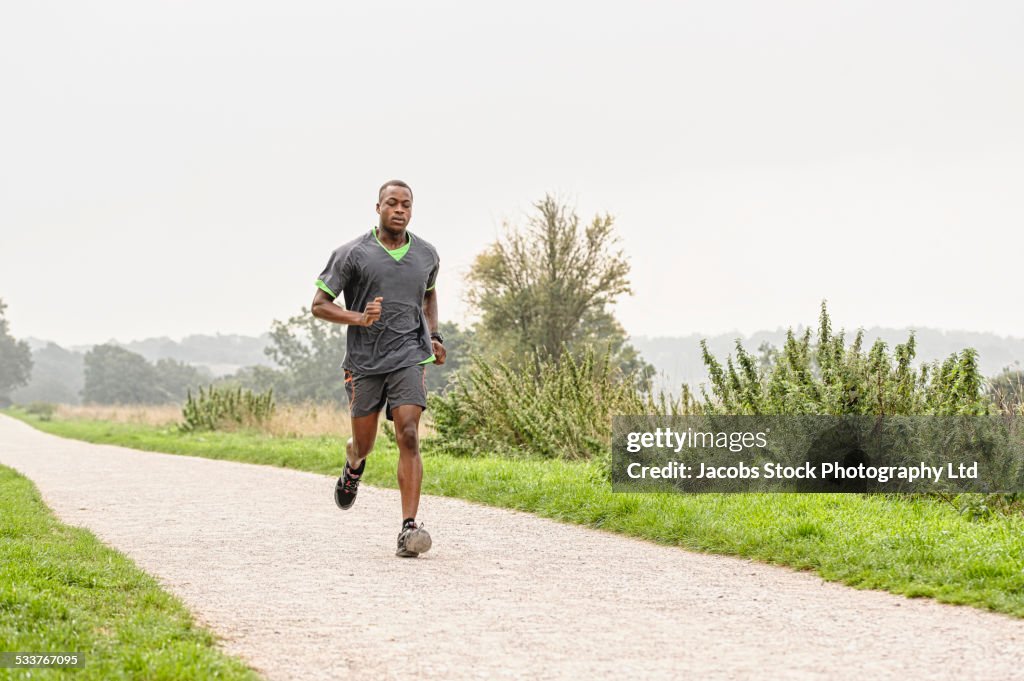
562, 408
44, 410
829, 377
225, 409
547, 408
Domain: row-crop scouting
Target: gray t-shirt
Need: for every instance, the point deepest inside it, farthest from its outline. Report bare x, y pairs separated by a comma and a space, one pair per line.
363, 269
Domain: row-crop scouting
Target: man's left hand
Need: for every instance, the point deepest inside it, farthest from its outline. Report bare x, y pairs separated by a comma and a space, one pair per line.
439, 351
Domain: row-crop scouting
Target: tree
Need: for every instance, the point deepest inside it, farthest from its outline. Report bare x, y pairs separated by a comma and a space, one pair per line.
460, 344
176, 378
15, 359
551, 286
258, 379
310, 353
57, 376
114, 375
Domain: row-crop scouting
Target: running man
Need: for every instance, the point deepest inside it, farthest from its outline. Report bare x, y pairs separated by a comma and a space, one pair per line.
387, 277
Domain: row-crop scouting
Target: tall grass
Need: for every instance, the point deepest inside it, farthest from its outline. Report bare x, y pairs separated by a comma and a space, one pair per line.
149, 415
290, 420
307, 419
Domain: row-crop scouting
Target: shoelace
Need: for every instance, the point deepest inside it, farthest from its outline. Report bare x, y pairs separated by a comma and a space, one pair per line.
351, 480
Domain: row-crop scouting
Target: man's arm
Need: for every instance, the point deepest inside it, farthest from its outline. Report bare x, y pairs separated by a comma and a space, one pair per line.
430, 312
324, 308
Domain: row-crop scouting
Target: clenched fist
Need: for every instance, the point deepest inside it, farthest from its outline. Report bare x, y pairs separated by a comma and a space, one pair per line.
372, 312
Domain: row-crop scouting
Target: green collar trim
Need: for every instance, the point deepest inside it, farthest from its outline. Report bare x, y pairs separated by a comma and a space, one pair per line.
399, 252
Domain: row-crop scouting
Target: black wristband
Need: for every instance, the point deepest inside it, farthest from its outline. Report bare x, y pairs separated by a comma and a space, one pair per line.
438, 337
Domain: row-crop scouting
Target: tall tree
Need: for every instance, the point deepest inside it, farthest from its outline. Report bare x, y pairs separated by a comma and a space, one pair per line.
15, 359
114, 375
551, 285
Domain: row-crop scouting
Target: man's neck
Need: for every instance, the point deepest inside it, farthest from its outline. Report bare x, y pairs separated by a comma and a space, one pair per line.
392, 240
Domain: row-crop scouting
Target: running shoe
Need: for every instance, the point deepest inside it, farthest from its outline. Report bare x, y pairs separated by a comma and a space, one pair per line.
412, 541
348, 485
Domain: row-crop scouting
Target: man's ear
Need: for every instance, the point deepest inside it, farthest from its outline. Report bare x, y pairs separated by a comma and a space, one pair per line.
378, 208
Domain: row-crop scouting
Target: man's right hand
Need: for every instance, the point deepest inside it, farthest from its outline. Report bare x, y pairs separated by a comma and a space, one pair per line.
372, 311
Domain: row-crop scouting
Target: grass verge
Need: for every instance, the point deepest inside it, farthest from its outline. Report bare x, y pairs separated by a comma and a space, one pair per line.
61, 590
915, 546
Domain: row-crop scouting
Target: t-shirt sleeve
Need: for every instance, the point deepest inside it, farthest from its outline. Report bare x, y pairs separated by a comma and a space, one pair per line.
336, 274
432, 277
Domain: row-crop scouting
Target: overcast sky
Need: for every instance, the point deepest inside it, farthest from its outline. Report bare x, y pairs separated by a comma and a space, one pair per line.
169, 168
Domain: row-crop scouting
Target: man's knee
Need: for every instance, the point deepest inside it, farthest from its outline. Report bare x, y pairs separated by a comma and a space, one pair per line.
359, 448
408, 438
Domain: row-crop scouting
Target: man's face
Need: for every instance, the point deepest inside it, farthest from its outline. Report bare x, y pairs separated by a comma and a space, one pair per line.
395, 208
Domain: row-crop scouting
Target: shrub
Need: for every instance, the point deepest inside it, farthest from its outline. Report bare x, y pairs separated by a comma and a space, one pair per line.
226, 408
829, 377
44, 410
563, 407
554, 409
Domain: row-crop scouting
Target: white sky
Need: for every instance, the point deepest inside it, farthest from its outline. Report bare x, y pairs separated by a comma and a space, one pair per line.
169, 168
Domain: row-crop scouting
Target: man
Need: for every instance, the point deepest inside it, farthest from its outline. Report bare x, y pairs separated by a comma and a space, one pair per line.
387, 277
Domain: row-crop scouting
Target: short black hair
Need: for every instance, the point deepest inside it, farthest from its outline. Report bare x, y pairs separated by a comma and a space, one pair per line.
392, 183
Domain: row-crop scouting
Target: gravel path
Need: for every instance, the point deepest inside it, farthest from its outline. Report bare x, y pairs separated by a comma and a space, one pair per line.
302, 590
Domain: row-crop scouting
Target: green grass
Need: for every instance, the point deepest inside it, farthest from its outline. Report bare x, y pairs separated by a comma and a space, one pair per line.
916, 546
61, 590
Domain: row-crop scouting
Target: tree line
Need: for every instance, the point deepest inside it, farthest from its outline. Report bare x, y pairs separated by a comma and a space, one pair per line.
543, 293
541, 290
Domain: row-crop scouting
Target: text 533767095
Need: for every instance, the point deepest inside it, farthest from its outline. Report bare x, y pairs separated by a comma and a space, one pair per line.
36, 660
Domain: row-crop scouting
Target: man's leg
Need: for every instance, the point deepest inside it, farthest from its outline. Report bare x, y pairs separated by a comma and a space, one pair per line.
407, 398
364, 433
366, 397
413, 539
410, 465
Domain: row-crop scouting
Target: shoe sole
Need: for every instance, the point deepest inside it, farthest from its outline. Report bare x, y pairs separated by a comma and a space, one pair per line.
418, 542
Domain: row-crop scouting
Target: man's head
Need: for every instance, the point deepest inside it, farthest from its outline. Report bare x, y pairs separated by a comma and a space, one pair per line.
394, 205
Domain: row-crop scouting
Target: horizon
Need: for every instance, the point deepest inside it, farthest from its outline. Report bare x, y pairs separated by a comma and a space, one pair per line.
850, 331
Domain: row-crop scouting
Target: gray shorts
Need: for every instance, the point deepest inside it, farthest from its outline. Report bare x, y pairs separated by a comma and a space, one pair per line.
369, 394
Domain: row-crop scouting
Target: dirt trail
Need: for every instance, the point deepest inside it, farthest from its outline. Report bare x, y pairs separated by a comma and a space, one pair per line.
302, 590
